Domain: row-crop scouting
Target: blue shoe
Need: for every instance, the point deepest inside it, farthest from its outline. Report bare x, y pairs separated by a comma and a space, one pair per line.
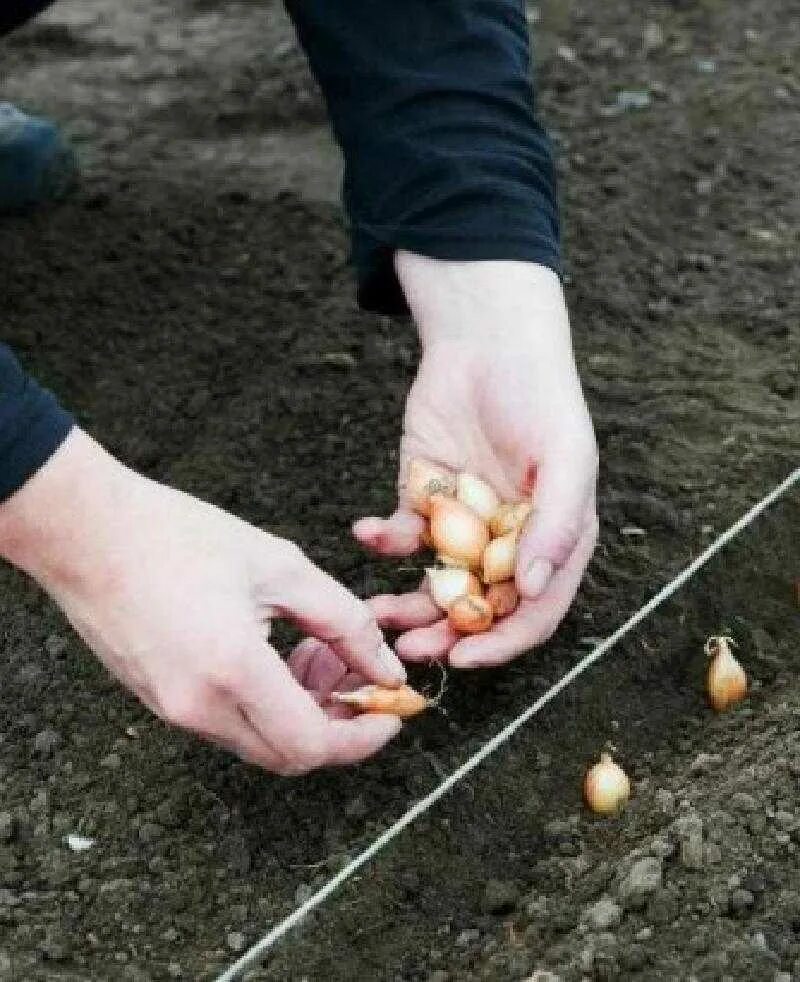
36, 163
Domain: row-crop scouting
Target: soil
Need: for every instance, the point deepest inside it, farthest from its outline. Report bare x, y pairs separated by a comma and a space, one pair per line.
192, 303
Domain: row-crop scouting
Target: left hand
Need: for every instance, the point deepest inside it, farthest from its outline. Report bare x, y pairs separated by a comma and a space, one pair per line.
498, 394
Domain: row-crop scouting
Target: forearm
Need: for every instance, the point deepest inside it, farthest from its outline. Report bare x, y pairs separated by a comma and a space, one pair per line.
433, 106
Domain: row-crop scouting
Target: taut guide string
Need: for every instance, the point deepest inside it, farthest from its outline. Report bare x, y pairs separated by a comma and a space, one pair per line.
260, 948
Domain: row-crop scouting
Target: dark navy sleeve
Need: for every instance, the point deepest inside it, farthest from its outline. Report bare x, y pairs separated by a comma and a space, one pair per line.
32, 424
16, 12
432, 104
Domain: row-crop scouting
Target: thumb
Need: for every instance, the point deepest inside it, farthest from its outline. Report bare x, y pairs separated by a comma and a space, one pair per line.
398, 535
565, 486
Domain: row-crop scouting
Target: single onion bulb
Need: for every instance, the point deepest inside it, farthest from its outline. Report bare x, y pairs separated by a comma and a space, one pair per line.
402, 701
502, 598
426, 479
606, 787
477, 495
499, 559
470, 615
447, 585
726, 681
457, 532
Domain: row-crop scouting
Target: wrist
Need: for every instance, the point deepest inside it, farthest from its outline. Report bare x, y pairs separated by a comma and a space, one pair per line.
51, 526
483, 300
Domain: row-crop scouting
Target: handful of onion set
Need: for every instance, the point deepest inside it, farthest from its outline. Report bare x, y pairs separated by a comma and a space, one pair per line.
474, 535
475, 538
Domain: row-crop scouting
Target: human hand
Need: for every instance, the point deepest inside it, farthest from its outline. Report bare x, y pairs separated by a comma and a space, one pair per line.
176, 596
497, 393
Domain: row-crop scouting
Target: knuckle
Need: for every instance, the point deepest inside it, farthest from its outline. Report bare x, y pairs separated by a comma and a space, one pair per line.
364, 623
287, 557
227, 675
563, 541
308, 756
186, 709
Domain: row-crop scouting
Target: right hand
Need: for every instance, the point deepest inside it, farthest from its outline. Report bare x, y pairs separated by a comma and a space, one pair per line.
176, 596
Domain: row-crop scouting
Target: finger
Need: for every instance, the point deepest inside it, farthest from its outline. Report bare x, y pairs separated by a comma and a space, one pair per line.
534, 621
317, 667
325, 674
225, 725
401, 611
398, 535
356, 739
288, 720
302, 656
564, 490
427, 643
324, 609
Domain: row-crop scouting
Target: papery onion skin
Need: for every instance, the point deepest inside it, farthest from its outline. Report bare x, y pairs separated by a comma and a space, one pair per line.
470, 615
510, 518
450, 563
457, 532
503, 598
606, 787
477, 495
424, 480
402, 701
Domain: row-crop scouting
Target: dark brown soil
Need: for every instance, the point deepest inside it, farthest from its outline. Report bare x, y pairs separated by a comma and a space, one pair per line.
184, 303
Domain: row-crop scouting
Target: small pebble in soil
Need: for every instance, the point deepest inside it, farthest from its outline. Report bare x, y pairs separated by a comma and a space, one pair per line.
235, 940
644, 878
703, 763
55, 949
692, 853
55, 645
603, 914
741, 902
111, 762
500, 897
45, 742
150, 832
741, 801
665, 800
755, 882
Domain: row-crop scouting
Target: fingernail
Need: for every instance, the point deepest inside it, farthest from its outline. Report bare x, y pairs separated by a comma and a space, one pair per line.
537, 576
392, 663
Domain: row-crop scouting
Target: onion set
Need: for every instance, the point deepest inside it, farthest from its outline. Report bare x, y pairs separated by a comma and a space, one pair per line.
726, 681
606, 787
402, 701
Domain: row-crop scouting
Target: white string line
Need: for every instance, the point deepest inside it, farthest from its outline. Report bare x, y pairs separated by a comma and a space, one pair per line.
283, 927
